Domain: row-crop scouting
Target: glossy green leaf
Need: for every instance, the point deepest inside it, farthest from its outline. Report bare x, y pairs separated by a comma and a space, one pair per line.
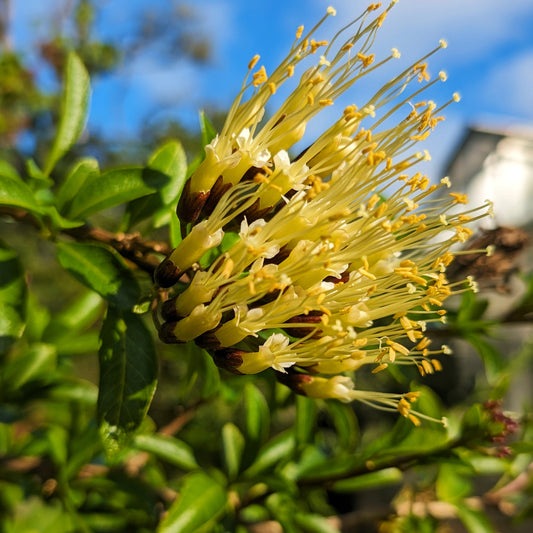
37, 362
171, 161
15, 193
12, 298
74, 105
232, 447
306, 414
128, 377
115, 187
200, 502
83, 171
102, 270
380, 478
169, 449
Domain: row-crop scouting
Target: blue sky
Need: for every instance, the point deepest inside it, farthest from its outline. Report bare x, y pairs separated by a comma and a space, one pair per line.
489, 59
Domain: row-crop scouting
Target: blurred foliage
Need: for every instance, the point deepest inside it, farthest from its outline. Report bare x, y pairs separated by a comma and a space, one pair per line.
104, 428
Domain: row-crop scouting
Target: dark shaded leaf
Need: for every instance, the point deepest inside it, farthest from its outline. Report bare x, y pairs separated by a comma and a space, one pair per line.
13, 293
306, 413
345, 422
492, 358
128, 377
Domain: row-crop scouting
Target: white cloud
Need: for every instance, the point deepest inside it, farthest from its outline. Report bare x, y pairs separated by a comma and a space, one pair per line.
473, 28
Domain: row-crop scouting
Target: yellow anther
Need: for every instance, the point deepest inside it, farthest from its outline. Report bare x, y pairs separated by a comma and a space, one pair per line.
299, 32
459, 198
379, 368
366, 274
272, 87
253, 61
325, 102
259, 77
366, 60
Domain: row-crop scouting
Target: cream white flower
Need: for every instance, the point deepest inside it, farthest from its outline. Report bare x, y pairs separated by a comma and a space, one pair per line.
337, 257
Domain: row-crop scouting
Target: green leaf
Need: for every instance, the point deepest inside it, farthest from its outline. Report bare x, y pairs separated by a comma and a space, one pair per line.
37, 362
8, 171
203, 376
169, 449
492, 358
102, 270
115, 187
313, 523
257, 417
75, 317
232, 447
474, 521
208, 134
273, 453
452, 484
171, 161
74, 105
201, 501
128, 377
12, 298
282, 507
83, 171
380, 478
306, 414
14, 192
40, 180
345, 422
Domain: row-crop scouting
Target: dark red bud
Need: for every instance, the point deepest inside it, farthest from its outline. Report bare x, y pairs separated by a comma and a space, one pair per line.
166, 333
229, 359
167, 273
190, 204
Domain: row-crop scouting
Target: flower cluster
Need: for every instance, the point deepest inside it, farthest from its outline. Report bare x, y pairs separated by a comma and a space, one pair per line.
317, 264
